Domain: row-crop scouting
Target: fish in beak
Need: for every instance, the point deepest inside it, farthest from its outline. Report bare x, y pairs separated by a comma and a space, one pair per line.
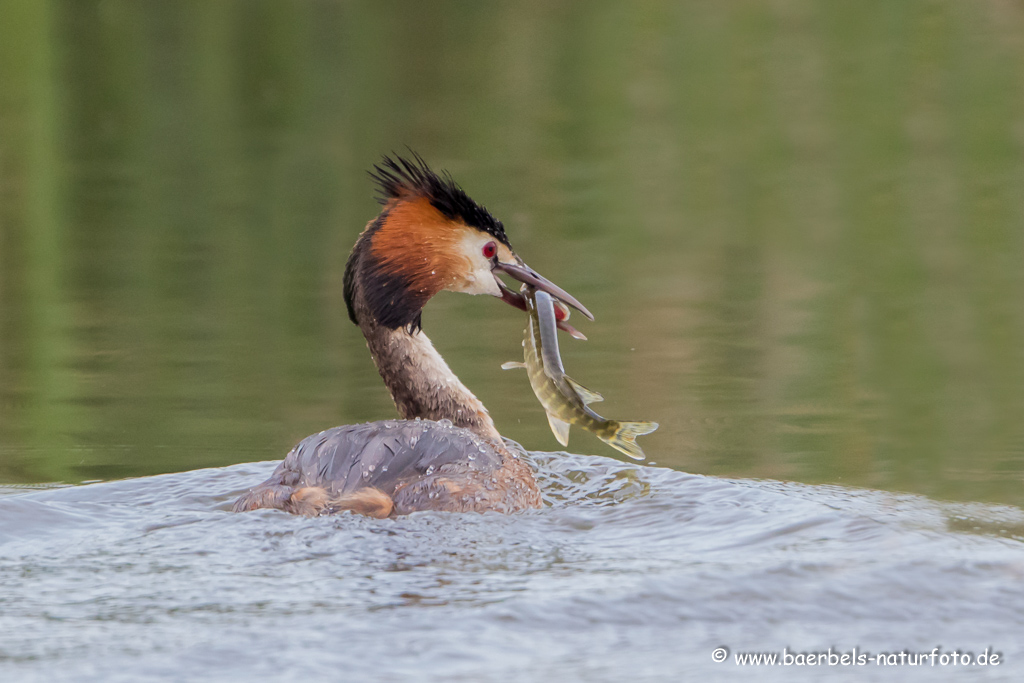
566, 401
528, 276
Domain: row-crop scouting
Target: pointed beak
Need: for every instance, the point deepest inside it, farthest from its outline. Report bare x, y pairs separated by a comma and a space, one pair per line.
522, 272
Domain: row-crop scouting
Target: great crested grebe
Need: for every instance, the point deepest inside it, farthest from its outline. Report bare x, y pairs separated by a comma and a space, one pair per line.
446, 454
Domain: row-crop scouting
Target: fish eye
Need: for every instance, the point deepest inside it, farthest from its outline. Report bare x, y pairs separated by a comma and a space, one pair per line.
489, 250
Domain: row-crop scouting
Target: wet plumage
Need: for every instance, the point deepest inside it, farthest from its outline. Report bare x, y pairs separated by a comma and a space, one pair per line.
394, 468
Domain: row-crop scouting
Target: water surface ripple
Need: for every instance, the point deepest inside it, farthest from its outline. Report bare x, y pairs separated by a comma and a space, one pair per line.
628, 573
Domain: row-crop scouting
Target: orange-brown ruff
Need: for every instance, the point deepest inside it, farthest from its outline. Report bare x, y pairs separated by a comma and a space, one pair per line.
446, 454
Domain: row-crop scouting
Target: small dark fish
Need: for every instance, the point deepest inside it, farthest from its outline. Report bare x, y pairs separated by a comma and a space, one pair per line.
564, 399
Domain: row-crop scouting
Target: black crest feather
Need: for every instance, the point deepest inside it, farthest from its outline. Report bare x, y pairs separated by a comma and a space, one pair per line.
398, 177
389, 296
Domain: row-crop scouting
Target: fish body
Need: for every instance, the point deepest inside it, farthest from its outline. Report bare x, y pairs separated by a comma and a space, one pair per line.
564, 399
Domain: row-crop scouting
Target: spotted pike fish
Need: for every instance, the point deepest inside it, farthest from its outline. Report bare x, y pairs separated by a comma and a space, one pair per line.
565, 400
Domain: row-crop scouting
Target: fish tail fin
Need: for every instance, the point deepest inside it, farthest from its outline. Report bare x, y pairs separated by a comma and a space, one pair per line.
624, 438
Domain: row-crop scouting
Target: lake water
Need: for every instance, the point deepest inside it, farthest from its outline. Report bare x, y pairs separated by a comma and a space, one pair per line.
799, 226
628, 573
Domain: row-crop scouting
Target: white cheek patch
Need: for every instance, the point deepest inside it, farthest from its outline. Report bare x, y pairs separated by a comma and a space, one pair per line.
476, 277
480, 281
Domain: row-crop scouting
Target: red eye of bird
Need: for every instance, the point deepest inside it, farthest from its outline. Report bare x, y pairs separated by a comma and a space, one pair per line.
490, 249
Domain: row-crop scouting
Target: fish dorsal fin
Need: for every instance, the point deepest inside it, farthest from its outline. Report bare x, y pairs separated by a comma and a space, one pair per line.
512, 365
586, 395
560, 429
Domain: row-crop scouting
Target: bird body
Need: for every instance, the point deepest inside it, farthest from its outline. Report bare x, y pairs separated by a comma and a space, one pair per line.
396, 467
446, 454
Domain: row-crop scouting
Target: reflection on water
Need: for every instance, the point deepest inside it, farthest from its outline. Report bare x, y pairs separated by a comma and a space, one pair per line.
628, 573
799, 226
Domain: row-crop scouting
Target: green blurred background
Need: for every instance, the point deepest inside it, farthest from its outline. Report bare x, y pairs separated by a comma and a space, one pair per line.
800, 225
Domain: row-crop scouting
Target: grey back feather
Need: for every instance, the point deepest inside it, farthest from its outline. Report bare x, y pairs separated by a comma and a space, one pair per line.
384, 455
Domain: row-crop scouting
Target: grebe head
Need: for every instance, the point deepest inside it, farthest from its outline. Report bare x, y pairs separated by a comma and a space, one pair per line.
430, 236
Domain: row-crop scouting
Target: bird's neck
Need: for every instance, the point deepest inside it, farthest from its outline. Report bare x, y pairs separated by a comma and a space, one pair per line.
421, 383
